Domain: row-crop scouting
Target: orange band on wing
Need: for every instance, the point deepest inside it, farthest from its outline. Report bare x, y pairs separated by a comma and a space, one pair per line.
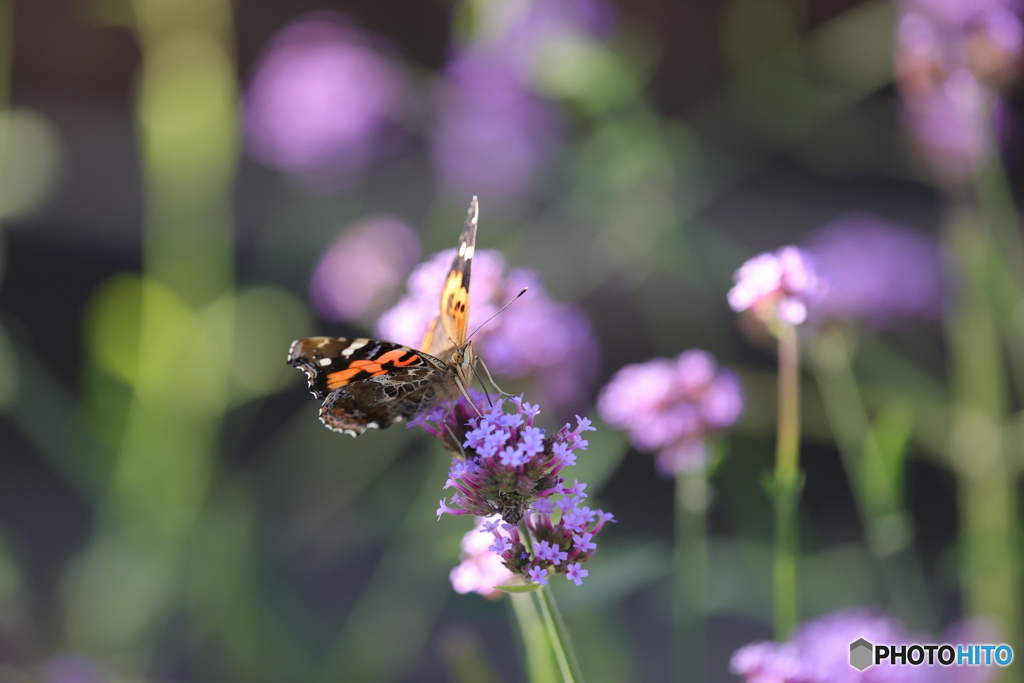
361, 369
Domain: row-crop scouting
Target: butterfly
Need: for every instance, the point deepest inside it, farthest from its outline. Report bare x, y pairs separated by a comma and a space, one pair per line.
372, 384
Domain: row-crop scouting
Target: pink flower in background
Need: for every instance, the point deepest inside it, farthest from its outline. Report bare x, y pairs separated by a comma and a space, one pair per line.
545, 341
673, 406
877, 272
777, 286
363, 268
322, 101
480, 570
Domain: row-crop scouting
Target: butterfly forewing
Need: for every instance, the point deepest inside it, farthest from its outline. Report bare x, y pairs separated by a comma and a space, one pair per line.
449, 327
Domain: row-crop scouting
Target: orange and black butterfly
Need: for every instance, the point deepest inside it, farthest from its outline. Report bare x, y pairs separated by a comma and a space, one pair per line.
371, 383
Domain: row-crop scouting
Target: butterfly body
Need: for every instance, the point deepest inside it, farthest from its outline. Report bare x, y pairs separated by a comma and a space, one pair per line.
371, 383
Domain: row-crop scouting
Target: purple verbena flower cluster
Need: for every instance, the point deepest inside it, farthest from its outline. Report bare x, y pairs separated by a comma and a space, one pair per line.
672, 406
545, 341
819, 653
777, 286
510, 468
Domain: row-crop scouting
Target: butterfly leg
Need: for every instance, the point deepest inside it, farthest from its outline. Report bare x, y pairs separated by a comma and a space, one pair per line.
465, 395
453, 439
504, 394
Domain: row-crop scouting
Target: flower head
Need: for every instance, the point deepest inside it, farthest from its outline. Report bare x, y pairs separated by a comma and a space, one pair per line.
777, 286
480, 570
362, 268
878, 272
503, 472
673, 406
952, 56
538, 338
323, 100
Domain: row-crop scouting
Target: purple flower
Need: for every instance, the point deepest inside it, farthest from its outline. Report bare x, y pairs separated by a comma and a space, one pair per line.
70, 668
518, 491
877, 272
776, 286
951, 58
322, 101
952, 126
363, 268
574, 573
673, 406
480, 570
493, 136
538, 575
819, 653
537, 338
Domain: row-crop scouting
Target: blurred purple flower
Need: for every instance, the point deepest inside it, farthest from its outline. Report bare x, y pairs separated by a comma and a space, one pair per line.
480, 569
493, 136
777, 286
520, 31
820, 650
70, 668
322, 101
506, 466
672, 407
548, 341
877, 272
952, 125
951, 58
363, 268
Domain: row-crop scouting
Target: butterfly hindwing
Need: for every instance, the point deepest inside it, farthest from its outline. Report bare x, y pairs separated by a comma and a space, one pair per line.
381, 401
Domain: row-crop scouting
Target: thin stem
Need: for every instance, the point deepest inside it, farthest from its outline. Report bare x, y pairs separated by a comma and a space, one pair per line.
874, 476
691, 575
787, 484
540, 667
558, 634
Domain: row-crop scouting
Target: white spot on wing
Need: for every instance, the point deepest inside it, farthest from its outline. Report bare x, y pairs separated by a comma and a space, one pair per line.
325, 361
354, 346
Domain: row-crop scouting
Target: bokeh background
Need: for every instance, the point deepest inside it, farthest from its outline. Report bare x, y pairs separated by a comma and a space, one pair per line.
188, 185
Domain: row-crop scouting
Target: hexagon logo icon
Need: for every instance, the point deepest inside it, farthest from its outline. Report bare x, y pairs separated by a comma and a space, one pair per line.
861, 652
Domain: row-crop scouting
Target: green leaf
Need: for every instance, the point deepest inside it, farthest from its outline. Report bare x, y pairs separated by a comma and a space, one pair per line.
519, 589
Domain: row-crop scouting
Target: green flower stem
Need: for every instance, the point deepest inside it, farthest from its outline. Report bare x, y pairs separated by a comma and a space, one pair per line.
690, 604
787, 485
875, 476
558, 634
986, 473
540, 665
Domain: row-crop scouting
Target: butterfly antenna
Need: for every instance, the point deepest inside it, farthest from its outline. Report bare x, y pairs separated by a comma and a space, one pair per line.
514, 299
